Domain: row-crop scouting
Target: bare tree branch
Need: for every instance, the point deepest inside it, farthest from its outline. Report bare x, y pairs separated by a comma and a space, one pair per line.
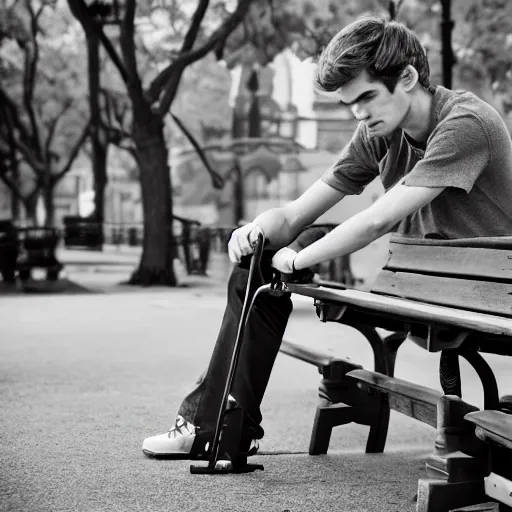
171, 88
127, 41
53, 126
170, 92
18, 133
10, 157
183, 60
217, 180
73, 154
11, 185
29, 76
195, 25
35, 164
12, 114
79, 10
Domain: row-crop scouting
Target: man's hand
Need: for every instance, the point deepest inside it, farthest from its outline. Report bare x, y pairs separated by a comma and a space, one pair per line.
243, 241
283, 260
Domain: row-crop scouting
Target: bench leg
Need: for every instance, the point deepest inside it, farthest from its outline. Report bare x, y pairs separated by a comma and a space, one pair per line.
342, 402
456, 470
486, 375
379, 426
384, 354
328, 416
449, 373
336, 393
443, 496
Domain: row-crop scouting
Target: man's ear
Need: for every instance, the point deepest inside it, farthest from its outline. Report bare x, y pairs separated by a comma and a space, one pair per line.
409, 78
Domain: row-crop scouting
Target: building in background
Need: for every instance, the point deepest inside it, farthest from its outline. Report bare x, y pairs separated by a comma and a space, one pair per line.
301, 133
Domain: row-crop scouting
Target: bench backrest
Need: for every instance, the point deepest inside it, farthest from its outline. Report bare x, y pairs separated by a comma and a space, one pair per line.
473, 273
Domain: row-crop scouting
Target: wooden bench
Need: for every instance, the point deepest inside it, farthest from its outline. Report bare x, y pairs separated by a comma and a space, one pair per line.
447, 296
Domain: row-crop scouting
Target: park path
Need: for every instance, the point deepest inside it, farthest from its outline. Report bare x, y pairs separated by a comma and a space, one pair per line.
84, 377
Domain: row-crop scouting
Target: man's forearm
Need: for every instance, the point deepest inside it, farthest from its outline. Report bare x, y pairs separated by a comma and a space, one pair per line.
279, 230
354, 234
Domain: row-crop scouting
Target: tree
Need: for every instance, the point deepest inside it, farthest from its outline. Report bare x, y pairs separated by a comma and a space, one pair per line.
483, 44
38, 99
150, 102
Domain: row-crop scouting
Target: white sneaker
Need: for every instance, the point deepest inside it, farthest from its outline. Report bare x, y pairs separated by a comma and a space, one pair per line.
176, 443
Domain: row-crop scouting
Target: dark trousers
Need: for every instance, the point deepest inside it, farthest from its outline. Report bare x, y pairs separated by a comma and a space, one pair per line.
260, 346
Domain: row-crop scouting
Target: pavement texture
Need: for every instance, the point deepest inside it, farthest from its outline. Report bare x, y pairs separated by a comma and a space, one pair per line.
85, 377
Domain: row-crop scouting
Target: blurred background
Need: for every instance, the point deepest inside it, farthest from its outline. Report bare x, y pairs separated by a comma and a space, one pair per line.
164, 124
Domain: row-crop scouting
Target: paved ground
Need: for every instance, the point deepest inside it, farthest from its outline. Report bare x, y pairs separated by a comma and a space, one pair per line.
84, 377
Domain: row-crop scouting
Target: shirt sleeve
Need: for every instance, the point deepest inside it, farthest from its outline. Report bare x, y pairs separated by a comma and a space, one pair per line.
356, 166
457, 153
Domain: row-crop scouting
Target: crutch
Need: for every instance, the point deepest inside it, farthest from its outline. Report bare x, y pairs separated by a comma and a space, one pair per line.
225, 455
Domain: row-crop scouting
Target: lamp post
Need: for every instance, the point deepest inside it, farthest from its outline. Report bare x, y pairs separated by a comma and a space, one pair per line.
105, 14
448, 58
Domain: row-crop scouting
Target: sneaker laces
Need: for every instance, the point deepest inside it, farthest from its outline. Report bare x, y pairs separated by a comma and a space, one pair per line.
181, 427
253, 448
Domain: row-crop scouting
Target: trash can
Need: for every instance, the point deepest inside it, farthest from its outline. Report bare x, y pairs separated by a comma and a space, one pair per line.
133, 238
8, 251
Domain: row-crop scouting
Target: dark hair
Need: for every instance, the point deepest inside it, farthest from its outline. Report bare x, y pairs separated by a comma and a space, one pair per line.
384, 48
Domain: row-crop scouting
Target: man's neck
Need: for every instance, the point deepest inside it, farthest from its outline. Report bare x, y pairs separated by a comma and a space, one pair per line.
417, 122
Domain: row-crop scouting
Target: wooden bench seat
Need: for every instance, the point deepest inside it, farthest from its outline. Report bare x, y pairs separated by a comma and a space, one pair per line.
447, 296
408, 310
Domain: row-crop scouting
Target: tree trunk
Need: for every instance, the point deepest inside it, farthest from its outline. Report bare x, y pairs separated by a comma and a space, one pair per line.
156, 265
99, 165
15, 200
49, 206
98, 140
30, 205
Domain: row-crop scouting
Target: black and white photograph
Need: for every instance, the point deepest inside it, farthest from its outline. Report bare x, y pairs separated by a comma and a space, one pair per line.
255, 255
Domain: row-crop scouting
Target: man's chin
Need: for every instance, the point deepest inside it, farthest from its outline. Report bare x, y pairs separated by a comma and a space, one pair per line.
379, 131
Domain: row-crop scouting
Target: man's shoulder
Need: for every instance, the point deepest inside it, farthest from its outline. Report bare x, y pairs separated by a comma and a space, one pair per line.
455, 105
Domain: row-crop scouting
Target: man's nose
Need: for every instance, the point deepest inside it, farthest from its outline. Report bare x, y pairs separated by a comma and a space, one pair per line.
360, 113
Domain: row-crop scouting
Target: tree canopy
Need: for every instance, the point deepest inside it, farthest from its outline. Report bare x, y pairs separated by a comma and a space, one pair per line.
44, 121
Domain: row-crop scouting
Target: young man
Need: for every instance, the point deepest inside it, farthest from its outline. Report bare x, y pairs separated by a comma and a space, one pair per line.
445, 160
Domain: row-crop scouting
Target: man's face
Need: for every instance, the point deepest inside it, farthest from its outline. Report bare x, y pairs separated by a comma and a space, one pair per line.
371, 102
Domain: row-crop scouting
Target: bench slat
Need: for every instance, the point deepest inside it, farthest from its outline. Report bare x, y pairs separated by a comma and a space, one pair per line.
413, 400
494, 426
306, 354
483, 296
409, 310
490, 242
456, 261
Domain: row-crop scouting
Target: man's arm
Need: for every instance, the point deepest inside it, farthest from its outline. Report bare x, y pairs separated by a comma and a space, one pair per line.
368, 225
282, 225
